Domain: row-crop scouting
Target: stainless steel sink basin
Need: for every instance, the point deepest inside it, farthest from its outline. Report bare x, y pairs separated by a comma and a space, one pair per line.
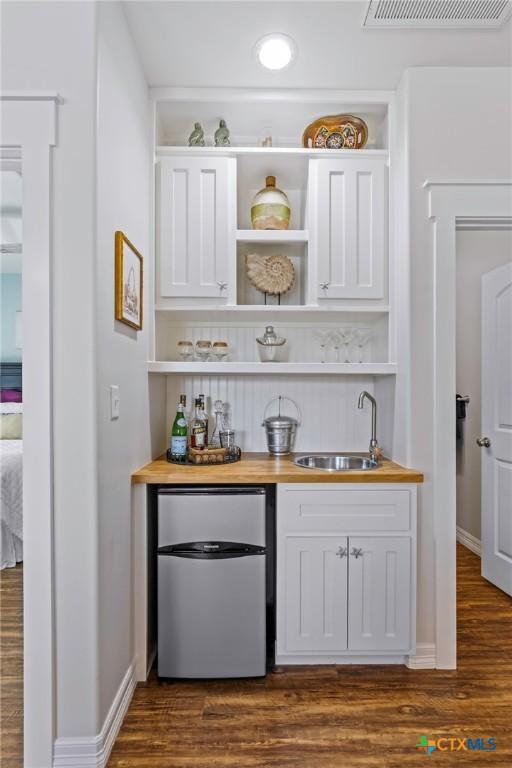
332, 463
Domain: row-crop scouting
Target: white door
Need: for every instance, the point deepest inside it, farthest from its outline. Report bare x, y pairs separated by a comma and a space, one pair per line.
347, 220
379, 595
315, 594
496, 439
196, 225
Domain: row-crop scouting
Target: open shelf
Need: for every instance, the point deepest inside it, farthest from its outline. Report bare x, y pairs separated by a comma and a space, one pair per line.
272, 236
254, 368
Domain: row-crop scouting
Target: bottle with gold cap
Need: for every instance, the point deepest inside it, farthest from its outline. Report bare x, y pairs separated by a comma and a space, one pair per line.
270, 208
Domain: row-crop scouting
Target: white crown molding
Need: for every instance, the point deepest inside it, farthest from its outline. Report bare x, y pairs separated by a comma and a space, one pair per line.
424, 658
301, 95
469, 541
93, 752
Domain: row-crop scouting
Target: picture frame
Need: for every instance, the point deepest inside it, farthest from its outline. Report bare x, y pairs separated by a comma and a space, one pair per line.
129, 283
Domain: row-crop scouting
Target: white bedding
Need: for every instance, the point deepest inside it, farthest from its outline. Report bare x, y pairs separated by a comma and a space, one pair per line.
11, 502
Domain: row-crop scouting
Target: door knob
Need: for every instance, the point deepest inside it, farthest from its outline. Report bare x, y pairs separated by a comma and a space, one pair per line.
341, 552
483, 442
356, 552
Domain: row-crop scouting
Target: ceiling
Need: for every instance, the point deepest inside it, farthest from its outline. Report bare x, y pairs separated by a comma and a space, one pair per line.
210, 44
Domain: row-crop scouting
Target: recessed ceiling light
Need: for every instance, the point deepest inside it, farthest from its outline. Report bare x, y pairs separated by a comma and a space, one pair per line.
275, 51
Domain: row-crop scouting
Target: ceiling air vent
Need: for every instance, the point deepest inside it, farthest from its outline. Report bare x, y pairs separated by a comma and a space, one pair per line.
435, 14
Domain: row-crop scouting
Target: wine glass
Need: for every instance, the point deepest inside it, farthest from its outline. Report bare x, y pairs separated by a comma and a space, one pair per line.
361, 337
335, 340
347, 337
185, 350
323, 339
203, 350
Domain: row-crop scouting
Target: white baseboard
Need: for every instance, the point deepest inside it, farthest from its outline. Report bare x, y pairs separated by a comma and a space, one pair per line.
93, 752
469, 541
424, 658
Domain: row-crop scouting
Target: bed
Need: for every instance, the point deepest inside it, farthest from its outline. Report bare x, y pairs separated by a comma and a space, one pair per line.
11, 466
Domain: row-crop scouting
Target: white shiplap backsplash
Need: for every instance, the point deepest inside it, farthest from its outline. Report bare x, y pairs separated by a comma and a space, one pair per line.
331, 420
301, 344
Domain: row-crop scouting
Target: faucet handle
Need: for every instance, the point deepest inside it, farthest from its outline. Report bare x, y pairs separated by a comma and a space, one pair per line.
377, 452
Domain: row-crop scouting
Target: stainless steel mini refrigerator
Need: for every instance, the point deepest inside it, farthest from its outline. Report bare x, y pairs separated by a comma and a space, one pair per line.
211, 582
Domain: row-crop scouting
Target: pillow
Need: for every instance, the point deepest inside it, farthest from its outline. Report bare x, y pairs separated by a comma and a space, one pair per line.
11, 407
11, 426
11, 396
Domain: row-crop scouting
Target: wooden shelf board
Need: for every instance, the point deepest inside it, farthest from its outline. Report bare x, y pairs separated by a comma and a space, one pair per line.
256, 368
283, 308
163, 150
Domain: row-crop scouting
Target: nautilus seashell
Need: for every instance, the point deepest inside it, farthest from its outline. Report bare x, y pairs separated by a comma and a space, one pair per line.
270, 274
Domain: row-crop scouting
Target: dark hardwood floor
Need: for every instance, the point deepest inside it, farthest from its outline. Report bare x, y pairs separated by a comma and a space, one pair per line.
11, 667
329, 717
323, 717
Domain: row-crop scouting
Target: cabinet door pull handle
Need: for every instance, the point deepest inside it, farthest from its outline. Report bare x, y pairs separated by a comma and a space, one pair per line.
356, 552
341, 553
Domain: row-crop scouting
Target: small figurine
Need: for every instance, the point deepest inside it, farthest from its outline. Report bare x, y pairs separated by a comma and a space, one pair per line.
222, 135
196, 138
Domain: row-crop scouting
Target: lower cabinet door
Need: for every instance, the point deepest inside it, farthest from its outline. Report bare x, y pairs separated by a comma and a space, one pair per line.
379, 593
316, 594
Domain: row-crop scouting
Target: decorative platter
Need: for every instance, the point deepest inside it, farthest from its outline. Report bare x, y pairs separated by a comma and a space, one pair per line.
336, 132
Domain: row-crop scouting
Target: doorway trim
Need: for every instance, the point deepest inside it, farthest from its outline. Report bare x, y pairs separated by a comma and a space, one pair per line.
29, 123
448, 203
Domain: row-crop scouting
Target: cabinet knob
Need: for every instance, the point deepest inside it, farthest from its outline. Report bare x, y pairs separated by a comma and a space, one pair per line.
325, 285
342, 552
483, 442
356, 552
222, 285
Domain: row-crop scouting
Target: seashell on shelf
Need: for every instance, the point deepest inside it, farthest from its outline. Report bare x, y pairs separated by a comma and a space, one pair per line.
270, 274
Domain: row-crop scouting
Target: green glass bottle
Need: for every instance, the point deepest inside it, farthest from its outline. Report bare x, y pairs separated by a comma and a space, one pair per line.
179, 433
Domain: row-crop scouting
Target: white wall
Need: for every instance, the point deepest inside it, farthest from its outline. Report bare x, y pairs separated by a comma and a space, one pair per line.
101, 182
477, 253
51, 47
442, 109
124, 167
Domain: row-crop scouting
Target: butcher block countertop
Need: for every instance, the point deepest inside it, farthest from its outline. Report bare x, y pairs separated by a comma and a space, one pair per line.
262, 468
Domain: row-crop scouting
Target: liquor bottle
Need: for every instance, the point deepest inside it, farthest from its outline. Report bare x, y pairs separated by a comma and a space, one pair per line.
198, 428
205, 417
179, 433
219, 423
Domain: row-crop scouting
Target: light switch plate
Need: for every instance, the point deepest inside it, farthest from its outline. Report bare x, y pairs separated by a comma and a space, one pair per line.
115, 402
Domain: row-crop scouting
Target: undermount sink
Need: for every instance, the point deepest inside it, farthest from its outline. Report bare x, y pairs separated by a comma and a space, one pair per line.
332, 463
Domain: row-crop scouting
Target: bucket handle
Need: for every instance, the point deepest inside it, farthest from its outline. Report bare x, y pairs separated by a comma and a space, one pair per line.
281, 397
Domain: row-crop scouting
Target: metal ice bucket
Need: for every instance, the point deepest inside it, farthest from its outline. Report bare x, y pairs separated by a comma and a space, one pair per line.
280, 430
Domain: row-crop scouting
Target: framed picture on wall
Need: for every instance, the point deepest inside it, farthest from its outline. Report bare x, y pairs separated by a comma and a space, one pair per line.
129, 282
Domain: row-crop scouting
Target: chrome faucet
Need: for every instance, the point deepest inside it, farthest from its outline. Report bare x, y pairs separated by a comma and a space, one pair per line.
375, 451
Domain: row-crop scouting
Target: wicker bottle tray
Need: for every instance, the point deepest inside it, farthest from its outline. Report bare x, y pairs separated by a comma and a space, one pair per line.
208, 456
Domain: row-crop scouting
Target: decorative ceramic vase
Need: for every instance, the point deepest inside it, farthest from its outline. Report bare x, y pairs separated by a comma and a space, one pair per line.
336, 132
270, 208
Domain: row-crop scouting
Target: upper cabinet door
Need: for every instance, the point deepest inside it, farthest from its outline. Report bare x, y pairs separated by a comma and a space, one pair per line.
379, 593
196, 210
348, 204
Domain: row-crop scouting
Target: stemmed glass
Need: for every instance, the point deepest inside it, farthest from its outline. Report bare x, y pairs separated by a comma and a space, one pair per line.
347, 337
361, 337
323, 337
